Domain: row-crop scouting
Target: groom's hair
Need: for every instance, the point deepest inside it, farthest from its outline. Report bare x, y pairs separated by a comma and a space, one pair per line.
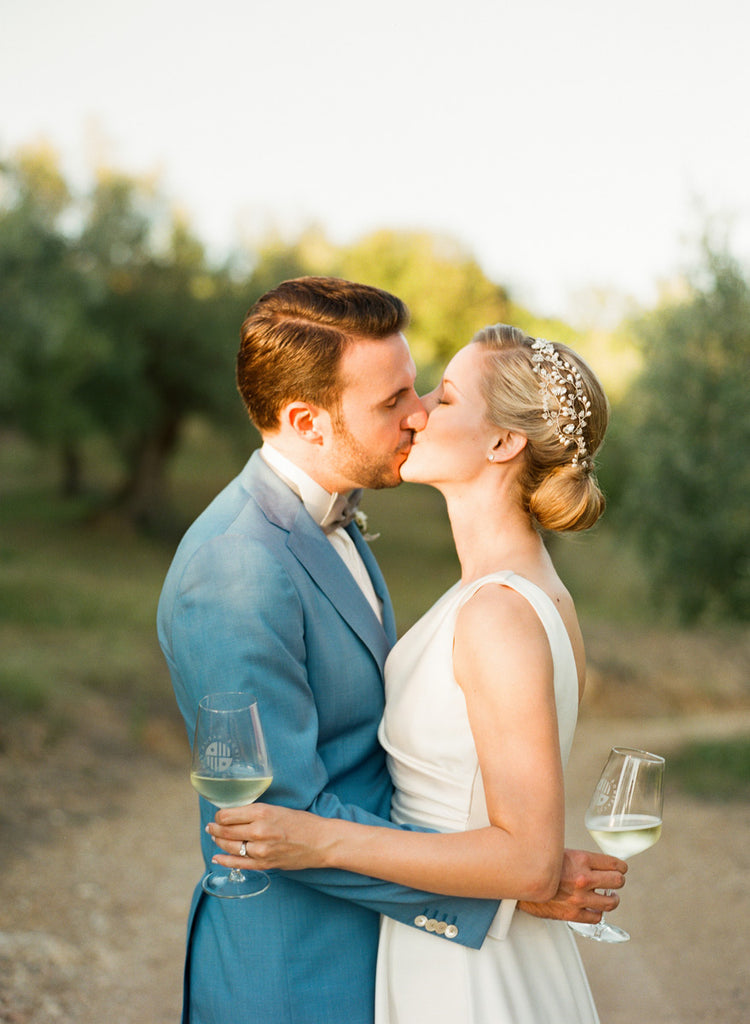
292, 340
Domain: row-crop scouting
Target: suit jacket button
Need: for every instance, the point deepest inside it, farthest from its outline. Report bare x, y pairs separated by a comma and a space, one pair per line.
441, 928
451, 931
420, 921
431, 925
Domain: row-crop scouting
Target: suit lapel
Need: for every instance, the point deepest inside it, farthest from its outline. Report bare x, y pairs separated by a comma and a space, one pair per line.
309, 545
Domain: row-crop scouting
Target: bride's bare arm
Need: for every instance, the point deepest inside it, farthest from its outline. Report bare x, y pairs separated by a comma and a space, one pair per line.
503, 663
277, 837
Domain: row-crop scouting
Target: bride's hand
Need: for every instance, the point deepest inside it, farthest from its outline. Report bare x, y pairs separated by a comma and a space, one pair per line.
274, 837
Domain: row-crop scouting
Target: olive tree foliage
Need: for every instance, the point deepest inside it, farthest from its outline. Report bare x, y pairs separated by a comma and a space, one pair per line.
112, 324
685, 491
171, 323
47, 343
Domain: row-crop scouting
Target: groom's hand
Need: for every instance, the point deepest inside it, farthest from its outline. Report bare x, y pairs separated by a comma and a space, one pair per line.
582, 894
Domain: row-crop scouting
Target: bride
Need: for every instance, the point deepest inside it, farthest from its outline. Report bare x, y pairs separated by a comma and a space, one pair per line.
482, 696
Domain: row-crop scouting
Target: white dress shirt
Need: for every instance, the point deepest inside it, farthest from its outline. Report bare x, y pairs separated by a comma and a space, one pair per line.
319, 502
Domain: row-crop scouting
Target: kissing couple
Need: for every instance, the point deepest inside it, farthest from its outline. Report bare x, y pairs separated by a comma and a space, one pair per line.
415, 822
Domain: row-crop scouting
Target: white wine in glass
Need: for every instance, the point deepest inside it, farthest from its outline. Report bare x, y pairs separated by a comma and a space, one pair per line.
624, 817
230, 767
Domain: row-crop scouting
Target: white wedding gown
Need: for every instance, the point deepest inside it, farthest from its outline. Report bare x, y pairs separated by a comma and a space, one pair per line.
528, 970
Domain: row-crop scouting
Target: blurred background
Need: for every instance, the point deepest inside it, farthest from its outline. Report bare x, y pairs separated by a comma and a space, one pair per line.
575, 170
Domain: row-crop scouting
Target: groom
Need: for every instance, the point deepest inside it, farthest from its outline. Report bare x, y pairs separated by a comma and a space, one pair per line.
273, 590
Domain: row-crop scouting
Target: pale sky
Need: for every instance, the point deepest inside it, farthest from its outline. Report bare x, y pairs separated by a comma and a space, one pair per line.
567, 145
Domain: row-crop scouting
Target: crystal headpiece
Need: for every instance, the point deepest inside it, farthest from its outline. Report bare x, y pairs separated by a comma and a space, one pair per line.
561, 381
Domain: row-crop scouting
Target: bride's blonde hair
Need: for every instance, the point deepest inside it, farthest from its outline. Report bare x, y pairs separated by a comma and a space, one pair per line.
564, 418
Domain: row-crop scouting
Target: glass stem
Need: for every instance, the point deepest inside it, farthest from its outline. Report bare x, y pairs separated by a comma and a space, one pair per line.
602, 923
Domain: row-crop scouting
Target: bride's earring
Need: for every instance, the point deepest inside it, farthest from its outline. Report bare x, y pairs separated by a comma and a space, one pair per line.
491, 457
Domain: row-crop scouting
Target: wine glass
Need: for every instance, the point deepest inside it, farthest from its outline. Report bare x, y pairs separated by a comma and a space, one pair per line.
230, 767
624, 817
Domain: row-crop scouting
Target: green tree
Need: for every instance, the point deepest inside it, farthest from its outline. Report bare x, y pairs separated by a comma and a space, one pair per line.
171, 323
112, 324
686, 493
47, 345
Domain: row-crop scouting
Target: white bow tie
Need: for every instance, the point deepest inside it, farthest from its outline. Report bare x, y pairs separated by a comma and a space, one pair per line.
341, 511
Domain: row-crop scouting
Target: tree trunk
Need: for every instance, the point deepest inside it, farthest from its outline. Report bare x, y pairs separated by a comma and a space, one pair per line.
143, 496
71, 475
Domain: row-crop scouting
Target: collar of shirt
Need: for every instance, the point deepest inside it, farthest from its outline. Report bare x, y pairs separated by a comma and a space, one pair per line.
325, 508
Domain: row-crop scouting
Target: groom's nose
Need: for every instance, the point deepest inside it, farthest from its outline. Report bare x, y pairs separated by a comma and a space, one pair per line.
416, 417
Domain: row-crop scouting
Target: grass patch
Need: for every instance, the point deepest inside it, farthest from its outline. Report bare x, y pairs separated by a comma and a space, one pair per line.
713, 770
22, 693
77, 603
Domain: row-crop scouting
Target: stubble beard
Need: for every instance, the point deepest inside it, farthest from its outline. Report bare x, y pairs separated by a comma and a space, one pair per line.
367, 469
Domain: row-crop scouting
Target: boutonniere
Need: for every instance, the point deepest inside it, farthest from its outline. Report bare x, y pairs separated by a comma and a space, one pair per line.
360, 521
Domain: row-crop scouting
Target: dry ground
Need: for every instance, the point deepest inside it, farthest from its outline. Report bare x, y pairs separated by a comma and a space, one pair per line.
100, 857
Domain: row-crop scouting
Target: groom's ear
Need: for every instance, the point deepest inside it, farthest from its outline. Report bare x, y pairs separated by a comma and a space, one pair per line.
305, 420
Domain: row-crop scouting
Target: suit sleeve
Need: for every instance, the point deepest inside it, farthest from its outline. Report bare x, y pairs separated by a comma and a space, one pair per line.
238, 623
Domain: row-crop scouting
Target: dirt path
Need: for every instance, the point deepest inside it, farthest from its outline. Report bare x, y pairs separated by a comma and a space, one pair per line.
95, 890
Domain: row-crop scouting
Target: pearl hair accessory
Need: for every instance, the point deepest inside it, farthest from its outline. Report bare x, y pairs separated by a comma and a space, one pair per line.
561, 381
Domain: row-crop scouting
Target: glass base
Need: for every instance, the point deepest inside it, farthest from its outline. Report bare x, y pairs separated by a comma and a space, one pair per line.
236, 885
602, 932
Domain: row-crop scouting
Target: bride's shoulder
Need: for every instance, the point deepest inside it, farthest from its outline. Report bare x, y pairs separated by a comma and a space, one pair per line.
495, 612
499, 639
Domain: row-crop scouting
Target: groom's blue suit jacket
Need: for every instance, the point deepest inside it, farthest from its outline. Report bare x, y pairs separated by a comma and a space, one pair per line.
257, 599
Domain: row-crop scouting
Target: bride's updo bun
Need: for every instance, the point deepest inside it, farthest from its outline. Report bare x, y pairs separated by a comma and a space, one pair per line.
551, 395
